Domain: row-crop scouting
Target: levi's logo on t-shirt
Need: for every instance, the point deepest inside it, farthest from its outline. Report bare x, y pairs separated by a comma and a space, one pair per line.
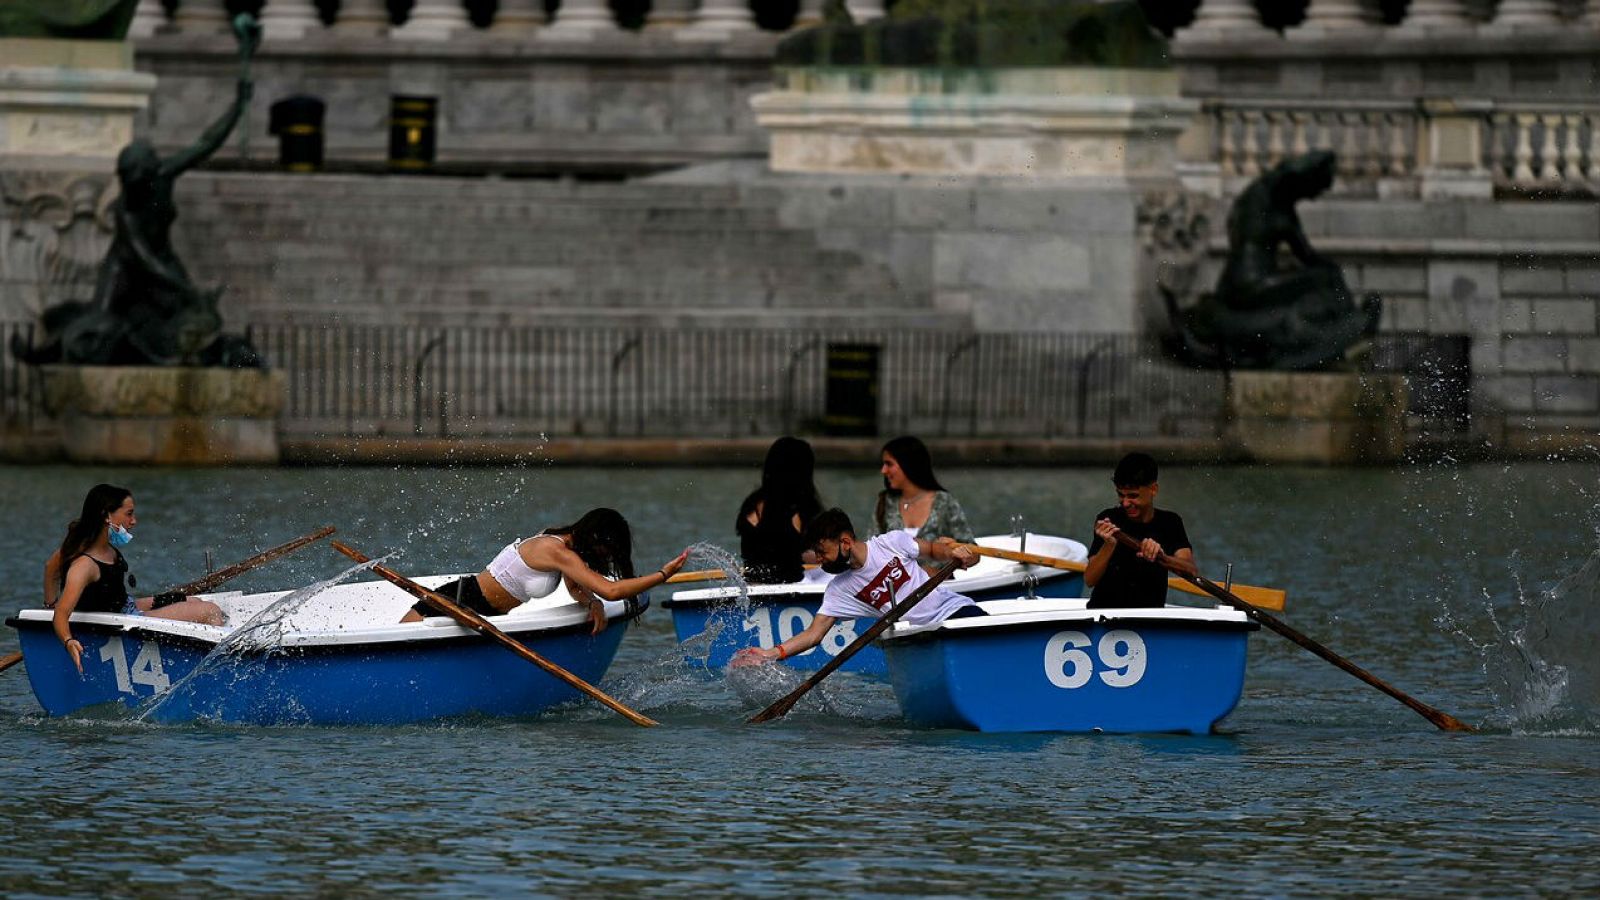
885, 586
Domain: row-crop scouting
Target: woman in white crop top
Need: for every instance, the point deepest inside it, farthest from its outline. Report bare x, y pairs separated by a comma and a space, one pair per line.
587, 555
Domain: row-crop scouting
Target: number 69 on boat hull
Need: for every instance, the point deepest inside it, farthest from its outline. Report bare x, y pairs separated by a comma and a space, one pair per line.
1072, 670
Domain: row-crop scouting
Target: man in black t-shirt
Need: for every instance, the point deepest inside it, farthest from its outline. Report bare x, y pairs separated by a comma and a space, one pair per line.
1120, 577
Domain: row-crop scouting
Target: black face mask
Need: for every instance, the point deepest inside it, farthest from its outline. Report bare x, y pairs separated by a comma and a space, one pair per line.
838, 564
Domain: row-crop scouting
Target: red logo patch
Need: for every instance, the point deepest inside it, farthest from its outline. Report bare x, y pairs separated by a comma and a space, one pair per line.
884, 587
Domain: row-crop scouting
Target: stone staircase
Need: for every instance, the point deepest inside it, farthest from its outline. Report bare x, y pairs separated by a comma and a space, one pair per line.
431, 251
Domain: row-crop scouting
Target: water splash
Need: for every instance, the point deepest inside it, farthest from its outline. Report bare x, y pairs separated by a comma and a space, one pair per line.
261, 634
1538, 657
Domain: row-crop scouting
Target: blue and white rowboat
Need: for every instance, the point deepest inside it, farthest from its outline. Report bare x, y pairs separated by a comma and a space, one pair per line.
774, 613
339, 659
1054, 665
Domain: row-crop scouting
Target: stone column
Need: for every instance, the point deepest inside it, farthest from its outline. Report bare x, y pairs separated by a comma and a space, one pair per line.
670, 13
810, 13
1326, 18
1428, 15
362, 17
865, 10
580, 19
434, 20
149, 16
201, 16
289, 20
1532, 14
720, 19
1224, 18
515, 18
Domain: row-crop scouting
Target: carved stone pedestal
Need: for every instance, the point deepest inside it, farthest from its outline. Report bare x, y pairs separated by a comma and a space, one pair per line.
1318, 418
166, 416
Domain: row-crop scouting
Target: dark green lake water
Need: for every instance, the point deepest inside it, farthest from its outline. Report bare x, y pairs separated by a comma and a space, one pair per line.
1436, 578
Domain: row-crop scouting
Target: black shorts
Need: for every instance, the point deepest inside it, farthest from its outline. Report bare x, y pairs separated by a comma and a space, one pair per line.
465, 592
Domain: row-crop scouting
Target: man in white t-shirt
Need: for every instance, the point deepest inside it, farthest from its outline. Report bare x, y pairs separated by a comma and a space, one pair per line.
869, 578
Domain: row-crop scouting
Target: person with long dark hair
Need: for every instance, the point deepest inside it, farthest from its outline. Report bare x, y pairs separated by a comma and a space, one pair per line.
88, 573
772, 520
913, 500
593, 555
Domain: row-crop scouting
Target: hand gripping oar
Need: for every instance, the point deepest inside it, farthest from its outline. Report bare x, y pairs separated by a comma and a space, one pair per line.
470, 619
1259, 597
782, 707
1442, 720
202, 585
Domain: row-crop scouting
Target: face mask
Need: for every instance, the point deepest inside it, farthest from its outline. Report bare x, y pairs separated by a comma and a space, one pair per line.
838, 564
119, 536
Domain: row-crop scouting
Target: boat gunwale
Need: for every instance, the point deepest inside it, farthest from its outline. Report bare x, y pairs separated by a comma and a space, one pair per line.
1006, 622
449, 635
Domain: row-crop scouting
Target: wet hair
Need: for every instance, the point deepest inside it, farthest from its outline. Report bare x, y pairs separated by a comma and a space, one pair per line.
602, 540
101, 501
1135, 470
829, 525
786, 483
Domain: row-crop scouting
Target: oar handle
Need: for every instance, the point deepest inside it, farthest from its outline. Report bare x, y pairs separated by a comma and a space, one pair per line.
1442, 720
702, 575
9, 660
477, 623
1264, 598
783, 706
201, 585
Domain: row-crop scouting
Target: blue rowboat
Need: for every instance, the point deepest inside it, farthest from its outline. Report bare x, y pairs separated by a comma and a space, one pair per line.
718, 622
1056, 666
340, 658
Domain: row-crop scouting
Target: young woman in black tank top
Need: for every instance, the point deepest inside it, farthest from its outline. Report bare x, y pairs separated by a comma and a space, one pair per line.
89, 574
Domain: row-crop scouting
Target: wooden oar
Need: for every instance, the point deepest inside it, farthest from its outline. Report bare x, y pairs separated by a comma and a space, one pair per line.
200, 586
477, 623
1259, 597
783, 706
702, 575
1442, 720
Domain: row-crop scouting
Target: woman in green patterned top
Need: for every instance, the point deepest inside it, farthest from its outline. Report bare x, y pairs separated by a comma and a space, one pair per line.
913, 500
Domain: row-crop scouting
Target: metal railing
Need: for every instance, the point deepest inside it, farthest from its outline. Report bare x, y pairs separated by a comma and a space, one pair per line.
455, 382
520, 382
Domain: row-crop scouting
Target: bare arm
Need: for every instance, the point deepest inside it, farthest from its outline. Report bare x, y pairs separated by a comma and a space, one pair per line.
800, 643
52, 578
79, 575
1096, 569
946, 548
550, 555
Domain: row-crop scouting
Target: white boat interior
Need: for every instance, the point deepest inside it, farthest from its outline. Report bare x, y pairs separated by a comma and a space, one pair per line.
351, 613
990, 572
1053, 611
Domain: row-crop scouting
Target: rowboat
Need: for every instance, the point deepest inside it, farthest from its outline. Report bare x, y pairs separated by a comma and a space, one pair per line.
1054, 665
336, 655
715, 623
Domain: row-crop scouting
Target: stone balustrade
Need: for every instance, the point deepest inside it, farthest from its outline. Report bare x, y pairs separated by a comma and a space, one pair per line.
441, 20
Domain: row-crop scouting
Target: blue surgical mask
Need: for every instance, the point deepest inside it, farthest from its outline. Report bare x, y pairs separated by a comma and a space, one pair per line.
119, 536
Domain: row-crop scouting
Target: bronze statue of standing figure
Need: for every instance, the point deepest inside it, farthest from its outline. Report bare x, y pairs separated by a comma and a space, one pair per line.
146, 310
1261, 315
